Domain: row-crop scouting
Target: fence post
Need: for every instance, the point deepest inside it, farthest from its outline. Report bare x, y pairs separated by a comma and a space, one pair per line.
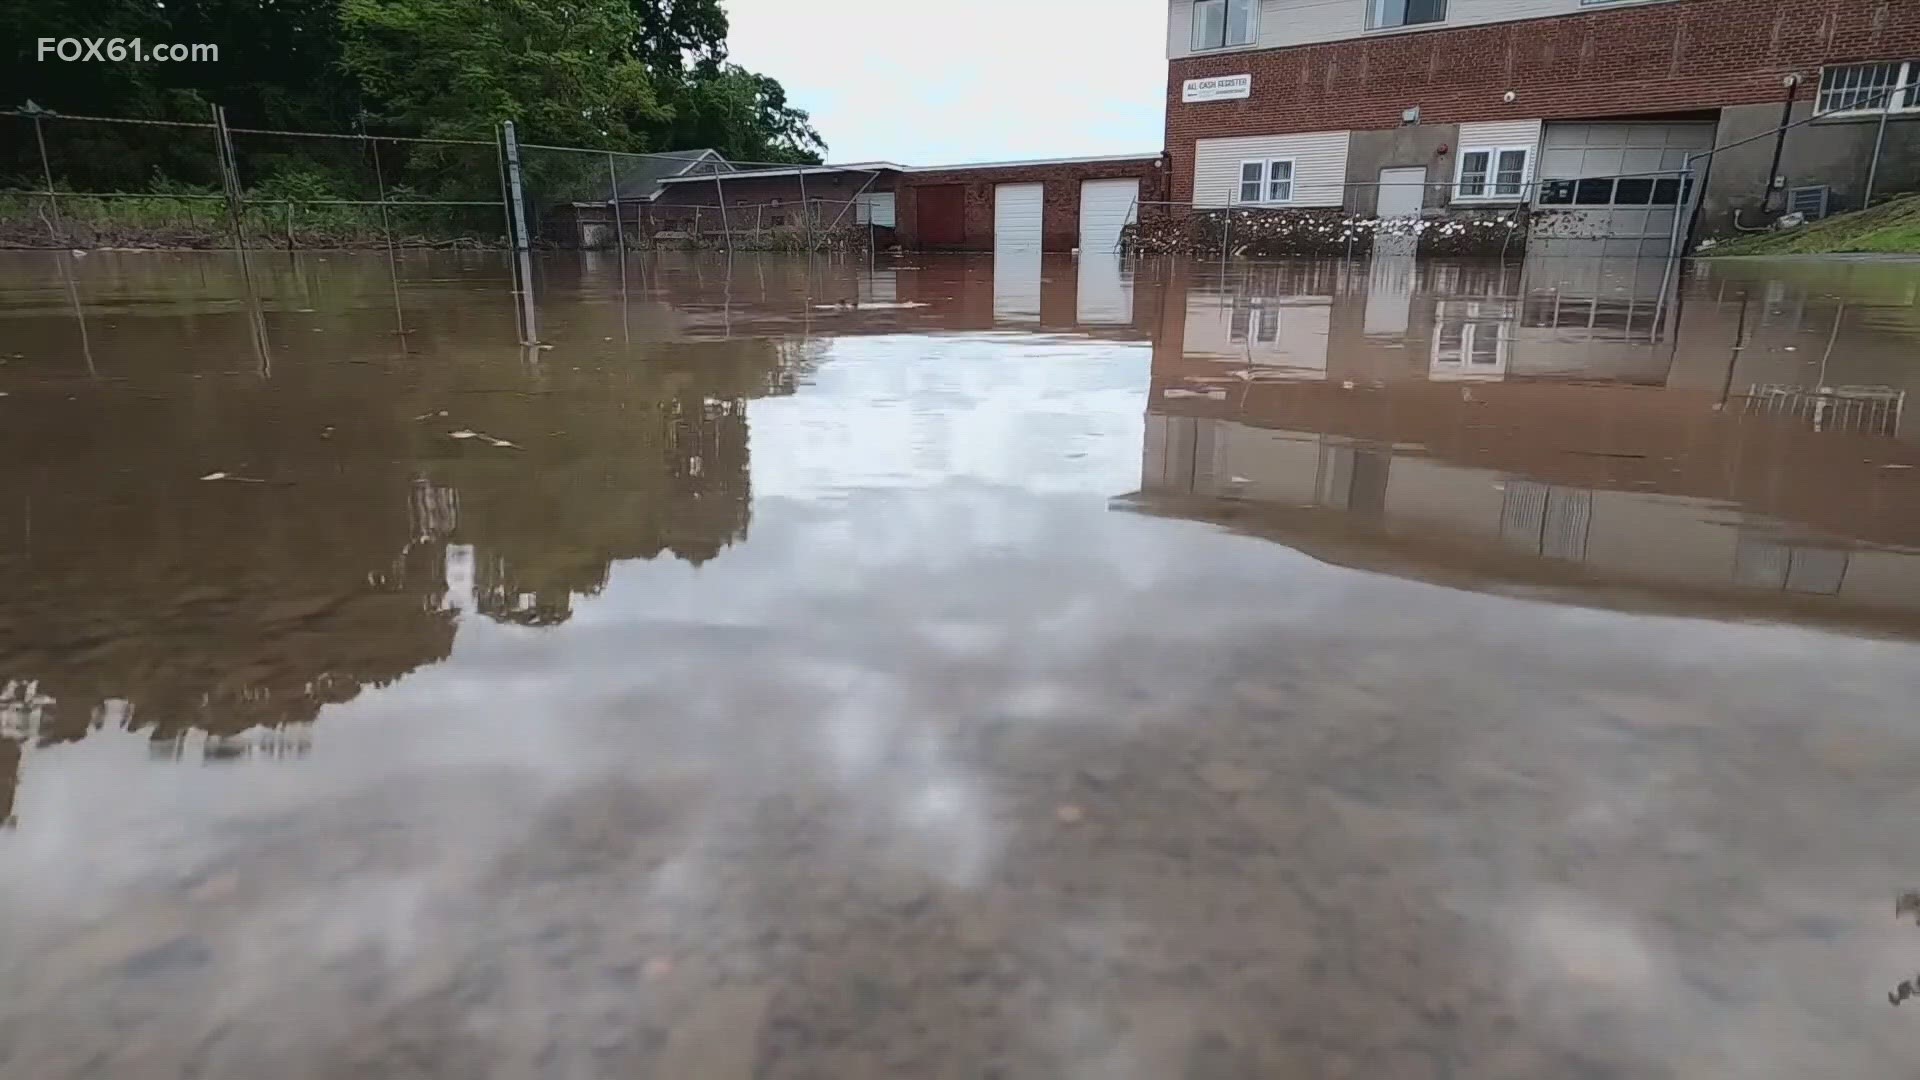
46, 171
386, 226
516, 209
726, 227
1879, 139
229, 170
1226, 237
613, 200
517, 214
806, 209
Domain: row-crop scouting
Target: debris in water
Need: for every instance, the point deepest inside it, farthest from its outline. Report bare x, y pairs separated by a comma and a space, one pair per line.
230, 476
463, 433
430, 415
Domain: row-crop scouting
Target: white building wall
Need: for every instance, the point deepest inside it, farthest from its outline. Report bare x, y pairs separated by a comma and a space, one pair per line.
1500, 133
1319, 166
1305, 22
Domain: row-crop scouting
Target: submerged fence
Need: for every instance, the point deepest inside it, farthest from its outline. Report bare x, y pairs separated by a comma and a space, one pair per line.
98, 181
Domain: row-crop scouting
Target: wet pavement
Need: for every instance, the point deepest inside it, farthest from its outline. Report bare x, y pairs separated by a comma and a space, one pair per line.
956, 669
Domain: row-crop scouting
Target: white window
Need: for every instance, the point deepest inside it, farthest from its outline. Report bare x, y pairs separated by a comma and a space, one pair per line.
1269, 181
1493, 173
1471, 339
875, 208
1384, 14
1223, 24
1869, 88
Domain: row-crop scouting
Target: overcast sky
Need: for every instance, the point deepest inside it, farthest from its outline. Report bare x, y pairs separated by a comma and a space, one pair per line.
927, 83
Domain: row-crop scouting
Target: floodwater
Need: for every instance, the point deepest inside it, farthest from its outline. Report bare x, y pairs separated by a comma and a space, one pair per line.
954, 669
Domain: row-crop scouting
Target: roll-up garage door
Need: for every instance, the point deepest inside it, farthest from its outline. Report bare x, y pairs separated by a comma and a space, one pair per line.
1017, 216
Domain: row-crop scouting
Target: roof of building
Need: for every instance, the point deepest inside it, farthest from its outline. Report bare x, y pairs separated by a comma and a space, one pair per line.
641, 175
738, 173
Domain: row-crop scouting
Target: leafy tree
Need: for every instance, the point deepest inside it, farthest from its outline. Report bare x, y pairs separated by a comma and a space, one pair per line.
454, 68
743, 115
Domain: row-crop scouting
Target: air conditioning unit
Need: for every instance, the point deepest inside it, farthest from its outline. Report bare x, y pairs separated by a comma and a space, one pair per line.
1811, 201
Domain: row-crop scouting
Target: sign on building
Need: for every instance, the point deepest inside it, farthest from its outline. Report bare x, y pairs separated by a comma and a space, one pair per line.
1218, 88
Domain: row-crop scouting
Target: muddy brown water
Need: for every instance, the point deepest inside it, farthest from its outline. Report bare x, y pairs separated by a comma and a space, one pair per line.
956, 669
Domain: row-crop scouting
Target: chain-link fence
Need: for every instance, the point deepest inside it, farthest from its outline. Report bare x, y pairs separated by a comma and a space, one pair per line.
600, 199
88, 181
1625, 214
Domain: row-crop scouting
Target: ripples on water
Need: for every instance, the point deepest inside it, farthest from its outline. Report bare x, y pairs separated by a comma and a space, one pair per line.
957, 669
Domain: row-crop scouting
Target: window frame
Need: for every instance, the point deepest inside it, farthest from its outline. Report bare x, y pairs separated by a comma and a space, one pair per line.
1374, 26
1240, 181
1489, 194
1226, 25
863, 205
1906, 76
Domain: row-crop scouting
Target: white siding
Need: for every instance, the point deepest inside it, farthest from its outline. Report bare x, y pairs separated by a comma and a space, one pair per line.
1319, 166
1017, 215
1500, 133
1302, 22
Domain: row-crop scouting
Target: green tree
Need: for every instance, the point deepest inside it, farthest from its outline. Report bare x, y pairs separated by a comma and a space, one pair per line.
453, 68
743, 115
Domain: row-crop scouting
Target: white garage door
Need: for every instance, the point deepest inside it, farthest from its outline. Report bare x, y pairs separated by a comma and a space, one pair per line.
1613, 189
1106, 206
1016, 216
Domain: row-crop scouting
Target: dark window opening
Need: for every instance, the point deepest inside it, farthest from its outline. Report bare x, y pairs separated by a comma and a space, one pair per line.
1633, 191
1593, 191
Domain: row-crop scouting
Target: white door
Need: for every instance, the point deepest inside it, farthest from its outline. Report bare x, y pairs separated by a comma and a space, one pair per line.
1017, 216
1106, 207
1402, 193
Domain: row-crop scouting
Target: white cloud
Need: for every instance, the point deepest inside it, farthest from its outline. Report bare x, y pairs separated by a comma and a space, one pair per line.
927, 84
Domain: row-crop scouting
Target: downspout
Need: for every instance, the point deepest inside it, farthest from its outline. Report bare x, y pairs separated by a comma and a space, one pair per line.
1773, 169
1780, 142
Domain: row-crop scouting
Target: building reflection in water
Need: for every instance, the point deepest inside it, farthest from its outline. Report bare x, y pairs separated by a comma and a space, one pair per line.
219, 619
1554, 426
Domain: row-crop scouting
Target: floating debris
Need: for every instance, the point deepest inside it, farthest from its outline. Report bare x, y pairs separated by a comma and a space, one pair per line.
463, 433
430, 415
230, 476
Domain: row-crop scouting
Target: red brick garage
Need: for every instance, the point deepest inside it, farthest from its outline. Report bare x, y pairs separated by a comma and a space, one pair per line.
951, 209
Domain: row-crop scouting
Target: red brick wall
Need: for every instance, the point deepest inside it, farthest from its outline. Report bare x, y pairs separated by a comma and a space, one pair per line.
1060, 220
1651, 58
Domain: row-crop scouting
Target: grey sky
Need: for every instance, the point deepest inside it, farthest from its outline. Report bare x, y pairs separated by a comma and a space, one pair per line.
926, 83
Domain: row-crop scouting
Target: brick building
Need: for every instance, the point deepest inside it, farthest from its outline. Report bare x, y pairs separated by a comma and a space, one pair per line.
1057, 205
1587, 109
1028, 206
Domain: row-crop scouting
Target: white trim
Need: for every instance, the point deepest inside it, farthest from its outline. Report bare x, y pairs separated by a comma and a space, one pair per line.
1193, 12
888, 166
751, 174
1493, 166
1905, 78
1266, 182
1096, 160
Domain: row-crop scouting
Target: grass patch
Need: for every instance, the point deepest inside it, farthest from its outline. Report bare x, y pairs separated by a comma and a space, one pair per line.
1891, 228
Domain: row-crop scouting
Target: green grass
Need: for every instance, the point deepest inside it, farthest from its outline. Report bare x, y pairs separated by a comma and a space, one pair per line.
1891, 228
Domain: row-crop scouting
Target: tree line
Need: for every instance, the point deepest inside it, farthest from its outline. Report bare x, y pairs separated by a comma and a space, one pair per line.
627, 75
